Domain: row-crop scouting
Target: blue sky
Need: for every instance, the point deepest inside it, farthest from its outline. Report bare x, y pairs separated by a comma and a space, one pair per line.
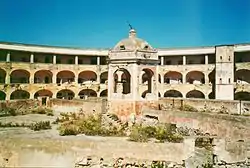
102, 23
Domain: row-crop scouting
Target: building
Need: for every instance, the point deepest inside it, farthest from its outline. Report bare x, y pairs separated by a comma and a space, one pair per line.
217, 72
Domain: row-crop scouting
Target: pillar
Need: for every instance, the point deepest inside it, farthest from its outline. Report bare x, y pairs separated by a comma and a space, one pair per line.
162, 60
76, 60
184, 59
206, 59
8, 57
31, 78
98, 60
184, 78
54, 78
31, 58
162, 79
54, 59
7, 78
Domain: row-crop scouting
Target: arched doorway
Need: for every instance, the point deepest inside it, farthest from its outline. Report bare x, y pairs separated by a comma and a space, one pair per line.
122, 81
245, 96
43, 76
104, 93
195, 77
87, 92
19, 76
147, 78
172, 93
87, 76
43, 93
65, 76
2, 95
19, 94
104, 77
173, 77
195, 94
2, 75
65, 94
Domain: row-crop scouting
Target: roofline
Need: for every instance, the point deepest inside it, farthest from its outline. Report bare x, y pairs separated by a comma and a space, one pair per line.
32, 48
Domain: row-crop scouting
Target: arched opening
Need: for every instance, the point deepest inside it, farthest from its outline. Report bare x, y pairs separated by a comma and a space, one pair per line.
159, 94
195, 94
19, 76
147, 78
173, 77
195, 77
211, 95
242, 76
172, 93
43, 93
87, 92
159, 78
65, 94
122, 81
19, 94
104, 93
43, 76
2, 75
65, 76
144, 94
104, 77
87, 77
242, 96
2, 95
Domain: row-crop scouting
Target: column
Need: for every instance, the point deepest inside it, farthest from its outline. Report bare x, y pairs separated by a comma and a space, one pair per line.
76, 77
76, 60
98, 60
162, 79
54, 78
32, 58
31, 78
8, 57
162, 60
184, 59
184, 78
7, 77
54, 59
206, 59
206, 78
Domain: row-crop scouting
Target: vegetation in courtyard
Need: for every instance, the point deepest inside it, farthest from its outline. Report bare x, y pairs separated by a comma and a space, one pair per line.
14, 111
162, 133
71, 124
187, 107
41, 125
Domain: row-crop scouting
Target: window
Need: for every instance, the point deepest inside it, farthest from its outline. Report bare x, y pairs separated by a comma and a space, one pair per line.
229, 80
122, 47
168, 62
80, 61
70, 61
229, 59
146, 47
180, 62
220, 57
220, 80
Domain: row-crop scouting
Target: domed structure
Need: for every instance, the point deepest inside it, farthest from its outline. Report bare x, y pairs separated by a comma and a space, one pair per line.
132, 43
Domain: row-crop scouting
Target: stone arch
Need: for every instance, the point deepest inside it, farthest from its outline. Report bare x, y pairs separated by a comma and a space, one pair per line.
242, 76
195, 94
87, 92
122, 81
211, 77
147, 78
65, 76
87, 76
19, 94
144, 94
43, 76
43, 93
2, 95
19, 76
65, 94
173, 77
2, 75
104, 77
195, 77
242, 96
172, 93
104, 93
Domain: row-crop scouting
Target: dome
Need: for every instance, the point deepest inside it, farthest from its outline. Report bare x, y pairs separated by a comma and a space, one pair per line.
132, 43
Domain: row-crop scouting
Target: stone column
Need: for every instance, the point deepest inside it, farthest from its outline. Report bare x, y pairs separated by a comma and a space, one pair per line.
162, 79
206, 59
54, 59
31, 78
7, 77
184, 59
76, 60
98, 60
184, 78
8, 57
31, 58
162, 60
54, 78
76, 78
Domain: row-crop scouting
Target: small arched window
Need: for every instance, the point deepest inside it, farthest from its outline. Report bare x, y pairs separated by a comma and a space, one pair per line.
122, 47
146, 47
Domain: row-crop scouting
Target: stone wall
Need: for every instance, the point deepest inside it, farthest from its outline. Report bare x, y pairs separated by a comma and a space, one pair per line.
205, 105
19, 103
89, 105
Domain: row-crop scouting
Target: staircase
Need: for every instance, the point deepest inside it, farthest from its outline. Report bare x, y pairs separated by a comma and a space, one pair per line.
111, 120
